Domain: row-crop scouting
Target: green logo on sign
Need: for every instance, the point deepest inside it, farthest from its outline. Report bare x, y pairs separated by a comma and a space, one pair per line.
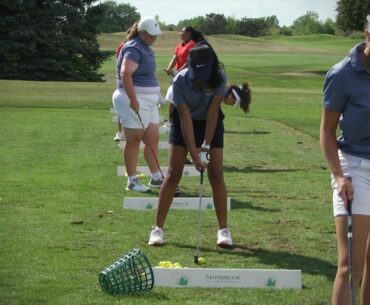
183, 281
271, 282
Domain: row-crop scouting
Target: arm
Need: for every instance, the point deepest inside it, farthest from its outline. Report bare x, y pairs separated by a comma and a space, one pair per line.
128, 68
212, 118
187, 131
171, 65
328, 142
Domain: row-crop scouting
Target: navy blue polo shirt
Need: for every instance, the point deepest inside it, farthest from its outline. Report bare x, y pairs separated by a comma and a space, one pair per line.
198, 100
142, 54
347, 90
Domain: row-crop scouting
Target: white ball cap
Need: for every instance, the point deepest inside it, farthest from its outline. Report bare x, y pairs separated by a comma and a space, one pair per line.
149, 25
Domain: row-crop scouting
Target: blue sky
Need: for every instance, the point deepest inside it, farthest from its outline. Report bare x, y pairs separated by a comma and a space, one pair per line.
172, 11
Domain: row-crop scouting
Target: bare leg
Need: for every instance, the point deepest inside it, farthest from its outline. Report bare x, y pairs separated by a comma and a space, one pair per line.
119, 126
365, 285
172, 179
216, 179
151, 139
361, 225
131, 150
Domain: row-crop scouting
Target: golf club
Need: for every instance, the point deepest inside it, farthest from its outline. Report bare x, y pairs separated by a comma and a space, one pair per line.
350, 257
196, 256
151, 148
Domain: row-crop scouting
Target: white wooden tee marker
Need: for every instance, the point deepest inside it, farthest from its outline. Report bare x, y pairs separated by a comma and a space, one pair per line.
188, 170
221, 278
181, 203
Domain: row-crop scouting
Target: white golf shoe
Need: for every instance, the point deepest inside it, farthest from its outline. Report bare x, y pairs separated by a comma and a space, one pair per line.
119, 137
156, 237
138, 186
224, 238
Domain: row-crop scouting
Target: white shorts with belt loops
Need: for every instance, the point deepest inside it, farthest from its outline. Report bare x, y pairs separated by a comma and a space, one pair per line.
359, 171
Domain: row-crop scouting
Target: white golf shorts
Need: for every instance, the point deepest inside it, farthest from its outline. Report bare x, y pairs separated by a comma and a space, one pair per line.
148, 110
359, 171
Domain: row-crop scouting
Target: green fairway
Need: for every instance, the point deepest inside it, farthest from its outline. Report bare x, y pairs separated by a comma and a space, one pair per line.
58, 181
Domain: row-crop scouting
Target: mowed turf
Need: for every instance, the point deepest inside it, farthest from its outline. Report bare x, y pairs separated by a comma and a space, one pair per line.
58, 181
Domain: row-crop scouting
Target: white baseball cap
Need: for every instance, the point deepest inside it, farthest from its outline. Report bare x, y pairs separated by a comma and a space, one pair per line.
149, 25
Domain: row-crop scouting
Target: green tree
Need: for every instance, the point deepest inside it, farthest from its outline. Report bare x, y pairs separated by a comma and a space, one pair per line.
307, 24
253, 27
117, 17
215, 24
329, 27
232, 25
50, 40
352, 14
199, 23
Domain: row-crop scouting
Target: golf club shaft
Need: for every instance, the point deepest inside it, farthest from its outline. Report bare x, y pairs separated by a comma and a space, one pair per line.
199, 209
155, 158
350, 256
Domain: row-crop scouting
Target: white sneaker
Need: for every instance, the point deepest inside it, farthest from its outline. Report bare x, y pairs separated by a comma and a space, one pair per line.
119, 137
224, 238
156, 237
136, 185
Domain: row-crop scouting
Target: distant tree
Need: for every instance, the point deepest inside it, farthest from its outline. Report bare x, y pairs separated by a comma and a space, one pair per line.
231, 25
215, 24
329, 27
352, 14
117, 17
307, 24
272, 21
50, 40
285, 31
253, 27
199, 23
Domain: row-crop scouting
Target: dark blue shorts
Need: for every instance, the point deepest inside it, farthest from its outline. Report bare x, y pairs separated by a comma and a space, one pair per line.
199, 128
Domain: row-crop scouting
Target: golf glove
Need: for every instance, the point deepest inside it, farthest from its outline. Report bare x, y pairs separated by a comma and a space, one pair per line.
204, 153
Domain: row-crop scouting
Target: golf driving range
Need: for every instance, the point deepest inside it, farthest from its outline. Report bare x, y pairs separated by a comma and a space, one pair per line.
62, 216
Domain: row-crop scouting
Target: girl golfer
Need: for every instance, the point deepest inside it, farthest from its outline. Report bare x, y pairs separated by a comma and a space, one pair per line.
197, 125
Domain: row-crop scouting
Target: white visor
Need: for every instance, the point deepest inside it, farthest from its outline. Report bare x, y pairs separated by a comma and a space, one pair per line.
237, 98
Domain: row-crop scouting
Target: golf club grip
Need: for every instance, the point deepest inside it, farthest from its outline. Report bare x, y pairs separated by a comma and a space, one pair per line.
201, 176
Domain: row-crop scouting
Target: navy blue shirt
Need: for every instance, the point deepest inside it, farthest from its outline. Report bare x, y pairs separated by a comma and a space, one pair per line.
142, 54
347, 90
198, 100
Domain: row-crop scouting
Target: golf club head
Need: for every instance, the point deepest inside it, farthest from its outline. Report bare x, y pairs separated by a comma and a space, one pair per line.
196, 257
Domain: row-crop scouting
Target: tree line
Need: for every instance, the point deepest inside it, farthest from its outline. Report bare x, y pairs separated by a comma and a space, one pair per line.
57, 39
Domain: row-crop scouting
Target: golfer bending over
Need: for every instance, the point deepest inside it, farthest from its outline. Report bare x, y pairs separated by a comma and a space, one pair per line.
347, 102
197, 124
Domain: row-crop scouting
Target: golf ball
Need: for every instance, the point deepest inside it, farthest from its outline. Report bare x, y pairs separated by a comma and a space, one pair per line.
201, 261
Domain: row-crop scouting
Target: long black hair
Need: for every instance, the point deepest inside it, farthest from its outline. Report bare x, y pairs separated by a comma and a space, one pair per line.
215, 77
244, 93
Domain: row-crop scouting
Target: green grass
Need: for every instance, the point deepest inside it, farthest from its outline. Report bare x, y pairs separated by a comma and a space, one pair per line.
58, 167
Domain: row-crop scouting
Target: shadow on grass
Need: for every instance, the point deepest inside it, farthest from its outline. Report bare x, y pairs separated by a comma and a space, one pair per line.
277, 259
250, 132
257, 169
237, 204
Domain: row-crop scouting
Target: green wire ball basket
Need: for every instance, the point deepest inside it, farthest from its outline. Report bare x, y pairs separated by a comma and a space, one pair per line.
131, 273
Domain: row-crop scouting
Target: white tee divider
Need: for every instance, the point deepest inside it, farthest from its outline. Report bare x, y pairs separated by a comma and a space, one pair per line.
188, 170
227, 278
181, 203
161, 145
